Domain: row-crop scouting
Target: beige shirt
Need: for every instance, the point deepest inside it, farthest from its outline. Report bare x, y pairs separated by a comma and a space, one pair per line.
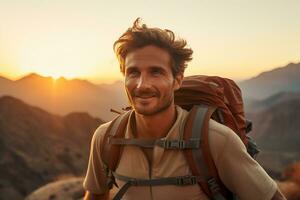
238, 171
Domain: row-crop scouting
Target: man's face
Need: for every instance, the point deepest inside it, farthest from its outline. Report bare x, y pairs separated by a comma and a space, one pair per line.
149, 81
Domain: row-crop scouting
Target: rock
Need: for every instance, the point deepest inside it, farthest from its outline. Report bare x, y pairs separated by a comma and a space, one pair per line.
67, 189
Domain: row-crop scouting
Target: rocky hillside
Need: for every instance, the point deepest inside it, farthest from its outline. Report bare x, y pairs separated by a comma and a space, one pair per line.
37, 147
278, 121
66, 189
276, 130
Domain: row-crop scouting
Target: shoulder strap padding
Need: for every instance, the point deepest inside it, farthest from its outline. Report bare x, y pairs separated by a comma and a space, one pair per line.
200, 160
110, 154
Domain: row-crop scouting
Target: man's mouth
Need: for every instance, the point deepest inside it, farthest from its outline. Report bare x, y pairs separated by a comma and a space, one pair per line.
145, 96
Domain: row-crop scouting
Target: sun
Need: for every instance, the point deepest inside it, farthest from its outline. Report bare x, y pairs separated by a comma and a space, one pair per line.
54, 72
55, 77
55, 69
57, 56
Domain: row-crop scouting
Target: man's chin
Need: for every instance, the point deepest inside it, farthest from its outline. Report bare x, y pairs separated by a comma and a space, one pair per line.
150, 111
144, 111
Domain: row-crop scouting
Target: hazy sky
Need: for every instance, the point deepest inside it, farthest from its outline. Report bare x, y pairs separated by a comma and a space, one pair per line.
74, 38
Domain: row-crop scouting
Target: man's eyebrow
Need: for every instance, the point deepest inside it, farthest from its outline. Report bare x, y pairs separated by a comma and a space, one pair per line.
156, 67
153, 67
131, 66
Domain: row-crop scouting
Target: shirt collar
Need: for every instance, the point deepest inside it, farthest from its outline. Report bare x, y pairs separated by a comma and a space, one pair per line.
174, 131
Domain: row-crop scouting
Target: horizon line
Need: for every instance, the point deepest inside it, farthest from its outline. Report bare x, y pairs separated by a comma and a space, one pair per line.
93, 80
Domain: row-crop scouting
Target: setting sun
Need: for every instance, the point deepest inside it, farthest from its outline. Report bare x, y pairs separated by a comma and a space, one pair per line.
59, 55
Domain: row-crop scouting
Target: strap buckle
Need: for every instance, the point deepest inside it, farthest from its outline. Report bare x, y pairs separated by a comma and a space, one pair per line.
187, 180
213, 185
134, 182
174, 144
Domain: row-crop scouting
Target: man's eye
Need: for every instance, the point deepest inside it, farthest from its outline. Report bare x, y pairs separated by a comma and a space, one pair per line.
156, 72
133, 73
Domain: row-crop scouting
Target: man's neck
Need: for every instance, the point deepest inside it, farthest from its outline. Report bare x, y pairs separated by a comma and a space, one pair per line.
155, 126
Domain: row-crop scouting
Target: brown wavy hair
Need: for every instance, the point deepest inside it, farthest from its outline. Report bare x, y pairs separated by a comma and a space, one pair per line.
139, 36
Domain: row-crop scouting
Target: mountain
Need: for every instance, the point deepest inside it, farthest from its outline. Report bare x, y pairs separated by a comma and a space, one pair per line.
5, 83
36, 147
260, 105
280, 122
268, 83
62, 96
4, 80
33, 77
276, 131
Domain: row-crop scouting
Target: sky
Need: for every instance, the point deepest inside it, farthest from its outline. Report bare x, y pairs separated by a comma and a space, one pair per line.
73, 38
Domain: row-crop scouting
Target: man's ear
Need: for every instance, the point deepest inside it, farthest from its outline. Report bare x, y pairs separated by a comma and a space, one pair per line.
178, 81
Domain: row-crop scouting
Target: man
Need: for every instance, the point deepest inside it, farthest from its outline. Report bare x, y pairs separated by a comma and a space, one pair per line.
153, 62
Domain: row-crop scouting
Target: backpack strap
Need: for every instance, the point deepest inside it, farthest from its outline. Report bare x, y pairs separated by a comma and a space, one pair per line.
150, 143
200, 160
178, 180
110, 154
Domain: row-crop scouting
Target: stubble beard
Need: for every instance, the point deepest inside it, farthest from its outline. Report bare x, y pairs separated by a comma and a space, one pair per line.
158, 109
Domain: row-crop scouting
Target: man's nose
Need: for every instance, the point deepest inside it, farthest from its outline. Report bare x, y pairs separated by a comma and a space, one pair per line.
143, 82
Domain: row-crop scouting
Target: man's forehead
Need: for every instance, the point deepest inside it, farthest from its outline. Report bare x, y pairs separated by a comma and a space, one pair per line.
149, 54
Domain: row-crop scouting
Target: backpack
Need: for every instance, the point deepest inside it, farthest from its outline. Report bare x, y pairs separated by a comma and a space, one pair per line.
204, 97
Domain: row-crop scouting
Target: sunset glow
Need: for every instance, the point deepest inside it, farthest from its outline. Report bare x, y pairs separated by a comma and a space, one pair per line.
236, 39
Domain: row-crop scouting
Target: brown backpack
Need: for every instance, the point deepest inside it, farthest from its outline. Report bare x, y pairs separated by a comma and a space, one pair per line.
204, 97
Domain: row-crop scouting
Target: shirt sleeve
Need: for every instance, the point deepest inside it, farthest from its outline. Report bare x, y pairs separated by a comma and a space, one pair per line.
238, 170
95, 179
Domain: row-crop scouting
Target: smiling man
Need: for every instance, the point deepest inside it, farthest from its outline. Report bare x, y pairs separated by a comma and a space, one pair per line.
149, 81
153, 62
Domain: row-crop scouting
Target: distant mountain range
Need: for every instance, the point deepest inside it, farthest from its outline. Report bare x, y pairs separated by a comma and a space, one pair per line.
255, 106
268, 83
37, 147
63, 96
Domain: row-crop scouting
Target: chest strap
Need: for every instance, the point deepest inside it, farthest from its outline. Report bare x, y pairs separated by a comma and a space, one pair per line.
178, 180
150, 143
